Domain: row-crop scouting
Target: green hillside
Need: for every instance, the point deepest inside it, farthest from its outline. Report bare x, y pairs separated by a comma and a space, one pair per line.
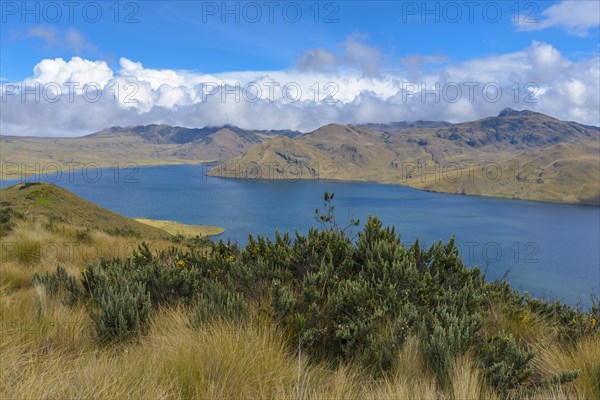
37, 199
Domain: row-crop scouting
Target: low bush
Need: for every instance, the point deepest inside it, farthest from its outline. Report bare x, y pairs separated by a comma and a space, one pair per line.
61, 283
506, 364
8, 216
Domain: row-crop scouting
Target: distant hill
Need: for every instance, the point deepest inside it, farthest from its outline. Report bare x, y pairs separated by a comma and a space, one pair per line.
517, 130
517, 154
142, 145
283, 155
166, 134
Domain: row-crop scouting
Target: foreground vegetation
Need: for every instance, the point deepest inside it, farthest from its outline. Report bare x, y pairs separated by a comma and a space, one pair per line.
330, 314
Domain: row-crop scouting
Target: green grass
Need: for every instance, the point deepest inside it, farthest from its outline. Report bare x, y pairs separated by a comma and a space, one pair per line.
44, 200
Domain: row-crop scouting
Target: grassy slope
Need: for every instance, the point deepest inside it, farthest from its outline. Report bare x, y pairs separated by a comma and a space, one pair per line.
48, 350
50, 201
562, 173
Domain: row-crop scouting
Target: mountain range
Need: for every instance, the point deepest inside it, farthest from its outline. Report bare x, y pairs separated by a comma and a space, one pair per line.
142, 145
516, 154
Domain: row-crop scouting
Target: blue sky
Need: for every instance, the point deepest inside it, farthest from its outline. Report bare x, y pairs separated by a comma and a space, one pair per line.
173, 35
373, 38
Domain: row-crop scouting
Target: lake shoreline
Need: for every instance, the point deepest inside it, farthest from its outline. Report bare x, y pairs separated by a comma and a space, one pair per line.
333, 180
23, 178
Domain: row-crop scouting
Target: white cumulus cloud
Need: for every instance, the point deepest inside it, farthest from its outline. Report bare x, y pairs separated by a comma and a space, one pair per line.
537, 77
75, 70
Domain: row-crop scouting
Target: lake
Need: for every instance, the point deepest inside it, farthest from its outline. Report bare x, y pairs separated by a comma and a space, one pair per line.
550, 250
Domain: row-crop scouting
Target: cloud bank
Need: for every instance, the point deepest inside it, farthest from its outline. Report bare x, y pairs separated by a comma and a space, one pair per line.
79, 96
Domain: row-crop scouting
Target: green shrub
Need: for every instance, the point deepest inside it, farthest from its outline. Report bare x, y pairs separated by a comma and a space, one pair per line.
506, 364
359, 302
125, 231
168, 279
60, 283
217, 302
177, 238
445, 337
83, 236
122, 312
283, 300
7, 219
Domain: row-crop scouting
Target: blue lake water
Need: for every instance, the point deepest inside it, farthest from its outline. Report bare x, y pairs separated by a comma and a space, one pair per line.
549, 250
